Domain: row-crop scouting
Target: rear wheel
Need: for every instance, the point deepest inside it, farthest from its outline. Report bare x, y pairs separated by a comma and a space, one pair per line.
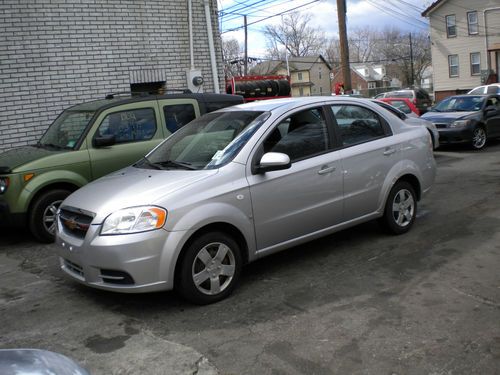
42, 216
478, 138
210, 268
400, 208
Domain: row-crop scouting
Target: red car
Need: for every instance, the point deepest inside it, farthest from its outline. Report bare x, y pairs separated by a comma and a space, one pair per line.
403, 104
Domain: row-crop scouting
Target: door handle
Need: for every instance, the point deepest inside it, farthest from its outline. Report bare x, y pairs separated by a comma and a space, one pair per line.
389, 151
326, 170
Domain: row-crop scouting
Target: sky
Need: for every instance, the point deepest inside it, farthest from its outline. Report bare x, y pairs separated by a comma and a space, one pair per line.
378, 14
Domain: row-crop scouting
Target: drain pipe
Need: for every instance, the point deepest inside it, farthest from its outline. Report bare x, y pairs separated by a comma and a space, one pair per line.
190, 21
211, 47
488, 61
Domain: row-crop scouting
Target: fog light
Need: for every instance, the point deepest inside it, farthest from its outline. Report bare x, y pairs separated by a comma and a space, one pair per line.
4, 184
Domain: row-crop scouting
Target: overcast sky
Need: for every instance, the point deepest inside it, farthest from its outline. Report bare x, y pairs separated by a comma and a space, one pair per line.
379, 14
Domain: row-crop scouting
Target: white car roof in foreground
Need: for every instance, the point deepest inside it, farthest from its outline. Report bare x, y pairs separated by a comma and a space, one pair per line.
285, 104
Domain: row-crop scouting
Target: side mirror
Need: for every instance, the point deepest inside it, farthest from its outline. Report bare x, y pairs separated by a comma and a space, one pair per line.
104, 140
273, 161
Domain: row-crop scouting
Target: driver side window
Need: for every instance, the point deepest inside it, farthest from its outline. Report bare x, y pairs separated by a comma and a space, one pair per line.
301, 135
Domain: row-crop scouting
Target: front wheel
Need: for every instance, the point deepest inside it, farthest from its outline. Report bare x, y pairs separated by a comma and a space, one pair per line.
478, 138
400, 208
42, 216
210, 268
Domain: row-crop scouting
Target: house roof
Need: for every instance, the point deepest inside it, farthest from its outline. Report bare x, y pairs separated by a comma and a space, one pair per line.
372, 74
432, 7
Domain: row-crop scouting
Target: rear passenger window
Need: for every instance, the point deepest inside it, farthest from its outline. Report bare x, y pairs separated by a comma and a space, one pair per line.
299, 136
129, 126
178, 115
357, 124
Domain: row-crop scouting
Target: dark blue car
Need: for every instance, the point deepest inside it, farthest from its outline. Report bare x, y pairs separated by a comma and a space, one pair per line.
470, 119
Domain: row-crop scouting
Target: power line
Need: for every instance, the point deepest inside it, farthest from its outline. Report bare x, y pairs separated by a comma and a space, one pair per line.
272, 16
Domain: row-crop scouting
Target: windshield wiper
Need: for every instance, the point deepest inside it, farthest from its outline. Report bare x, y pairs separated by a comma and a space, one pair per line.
50, 145
148, 162
176, 164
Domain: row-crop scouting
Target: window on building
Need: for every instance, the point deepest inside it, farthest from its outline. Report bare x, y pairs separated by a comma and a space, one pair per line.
475, 63
472, 22
372, 85
299, 76
319, 74
321, 90
451, 27
453, 65
301, 91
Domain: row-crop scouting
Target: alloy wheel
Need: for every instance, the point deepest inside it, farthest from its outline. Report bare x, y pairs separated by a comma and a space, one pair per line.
213, 268
49, 216
478, 138
403, 207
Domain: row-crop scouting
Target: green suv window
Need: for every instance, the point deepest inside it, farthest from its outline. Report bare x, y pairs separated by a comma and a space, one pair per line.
129, 126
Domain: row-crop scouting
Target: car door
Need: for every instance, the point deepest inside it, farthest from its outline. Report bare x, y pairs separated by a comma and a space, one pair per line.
492, 119
305, 198
368, 152
135, 130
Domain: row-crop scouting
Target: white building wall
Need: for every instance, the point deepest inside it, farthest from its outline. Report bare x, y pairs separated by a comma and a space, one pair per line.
462, 45
54, 54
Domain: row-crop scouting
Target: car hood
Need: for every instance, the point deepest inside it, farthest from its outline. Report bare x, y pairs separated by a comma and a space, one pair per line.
445, 117
15, 157
131, 187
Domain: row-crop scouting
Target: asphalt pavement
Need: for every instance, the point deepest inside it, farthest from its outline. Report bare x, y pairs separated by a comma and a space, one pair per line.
356, 302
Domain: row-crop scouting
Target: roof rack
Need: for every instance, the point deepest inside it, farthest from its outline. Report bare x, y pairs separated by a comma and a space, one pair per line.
112, 95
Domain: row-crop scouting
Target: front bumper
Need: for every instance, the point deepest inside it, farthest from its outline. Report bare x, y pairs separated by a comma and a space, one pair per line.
10, 219
455, 135
132, 263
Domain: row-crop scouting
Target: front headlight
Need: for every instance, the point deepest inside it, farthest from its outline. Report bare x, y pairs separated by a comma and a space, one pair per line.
459, 123
134, 220
4, 184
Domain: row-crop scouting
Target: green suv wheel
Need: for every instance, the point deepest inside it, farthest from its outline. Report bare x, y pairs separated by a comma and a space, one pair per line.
42, 217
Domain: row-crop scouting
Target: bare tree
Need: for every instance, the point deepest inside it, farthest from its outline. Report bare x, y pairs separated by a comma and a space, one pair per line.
332, 52
294, 34
394, 49
231, 55
362, 43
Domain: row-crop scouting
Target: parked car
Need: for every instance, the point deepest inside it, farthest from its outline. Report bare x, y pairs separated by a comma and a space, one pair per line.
419, 97
238, 184
468, 119
404, 105
493, 88
85, 142
411, 120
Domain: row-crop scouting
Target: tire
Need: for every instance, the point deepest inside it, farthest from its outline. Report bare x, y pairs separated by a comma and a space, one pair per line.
400, 208
41, 218
216, 278
479, 138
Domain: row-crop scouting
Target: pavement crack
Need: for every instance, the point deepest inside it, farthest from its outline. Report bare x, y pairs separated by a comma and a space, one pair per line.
477, 298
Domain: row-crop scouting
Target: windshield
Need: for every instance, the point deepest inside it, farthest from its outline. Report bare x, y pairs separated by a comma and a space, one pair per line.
66, 131
460, 104
208, 142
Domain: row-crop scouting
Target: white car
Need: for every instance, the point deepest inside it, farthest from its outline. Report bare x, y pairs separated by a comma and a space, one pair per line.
493, 88
241, 183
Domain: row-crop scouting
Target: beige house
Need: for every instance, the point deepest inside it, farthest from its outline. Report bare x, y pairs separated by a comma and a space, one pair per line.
465, 44
309, 75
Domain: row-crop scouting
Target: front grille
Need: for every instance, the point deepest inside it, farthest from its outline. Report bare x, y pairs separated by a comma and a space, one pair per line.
73, 267
440, 126
116, 277
76, 223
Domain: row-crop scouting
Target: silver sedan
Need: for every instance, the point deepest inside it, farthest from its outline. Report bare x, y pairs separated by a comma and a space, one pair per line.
241, 183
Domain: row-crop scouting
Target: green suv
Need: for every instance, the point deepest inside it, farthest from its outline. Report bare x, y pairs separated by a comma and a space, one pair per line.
86, 142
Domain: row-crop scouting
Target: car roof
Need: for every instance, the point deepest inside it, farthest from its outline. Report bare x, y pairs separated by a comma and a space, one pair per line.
113, 100
290, 103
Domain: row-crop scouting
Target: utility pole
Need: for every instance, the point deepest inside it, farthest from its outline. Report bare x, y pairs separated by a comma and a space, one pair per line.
411, 64
245, 64
344, 47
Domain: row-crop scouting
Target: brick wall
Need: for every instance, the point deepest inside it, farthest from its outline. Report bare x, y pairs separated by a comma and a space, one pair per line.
56, 53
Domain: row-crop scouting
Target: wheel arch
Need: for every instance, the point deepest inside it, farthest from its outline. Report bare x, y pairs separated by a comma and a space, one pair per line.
413, 181
54, 186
